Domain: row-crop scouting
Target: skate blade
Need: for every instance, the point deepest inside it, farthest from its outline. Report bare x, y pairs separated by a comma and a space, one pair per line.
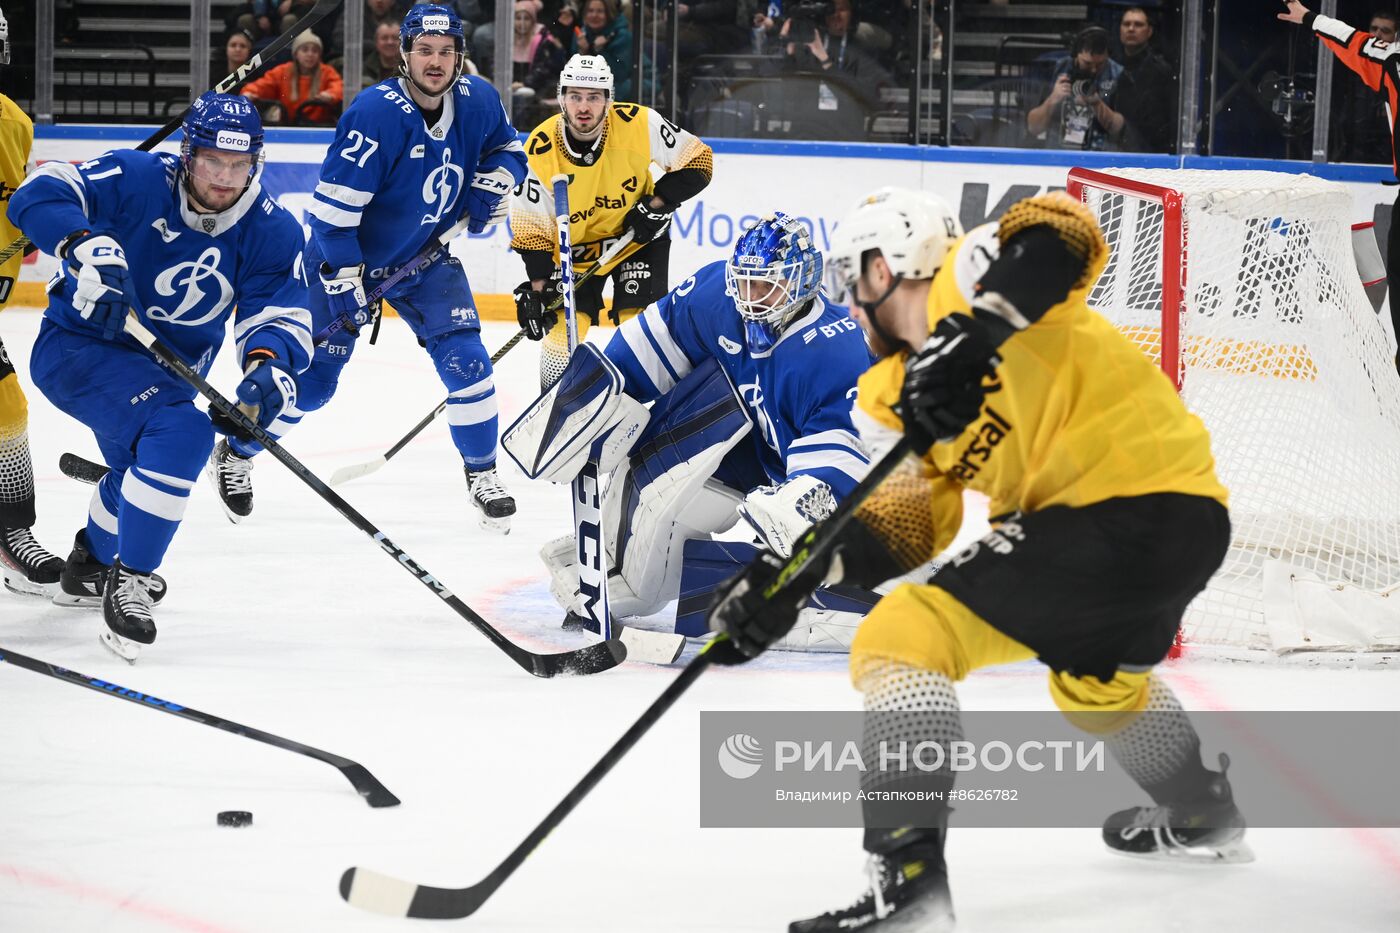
1231, 853
128, 651
69, 601
23, 586
500, 526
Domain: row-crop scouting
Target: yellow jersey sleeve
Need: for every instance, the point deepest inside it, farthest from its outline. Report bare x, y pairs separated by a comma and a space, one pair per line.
16, 143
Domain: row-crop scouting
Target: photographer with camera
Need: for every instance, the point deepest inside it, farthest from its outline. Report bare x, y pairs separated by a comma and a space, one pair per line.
819, 39
1078, 114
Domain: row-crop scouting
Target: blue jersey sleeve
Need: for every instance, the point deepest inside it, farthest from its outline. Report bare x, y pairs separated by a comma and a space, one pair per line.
60, 198
818, 399
367, 142
657, 348
273, 301
501, 148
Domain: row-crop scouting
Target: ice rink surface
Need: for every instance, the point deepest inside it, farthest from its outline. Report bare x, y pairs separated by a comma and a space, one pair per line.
295, 623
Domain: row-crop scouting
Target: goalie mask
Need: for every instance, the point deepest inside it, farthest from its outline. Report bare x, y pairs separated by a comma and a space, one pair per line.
913, 231
227, 124
774, 274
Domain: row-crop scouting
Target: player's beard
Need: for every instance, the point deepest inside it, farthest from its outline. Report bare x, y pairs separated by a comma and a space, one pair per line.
446, 78
203, 206
594, 129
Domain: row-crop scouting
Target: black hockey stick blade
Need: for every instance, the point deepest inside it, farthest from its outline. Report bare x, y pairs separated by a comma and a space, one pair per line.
82, 470
368, 786
591, 659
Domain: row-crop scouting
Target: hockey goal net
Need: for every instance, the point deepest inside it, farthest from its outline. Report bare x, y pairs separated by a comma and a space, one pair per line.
1243, 287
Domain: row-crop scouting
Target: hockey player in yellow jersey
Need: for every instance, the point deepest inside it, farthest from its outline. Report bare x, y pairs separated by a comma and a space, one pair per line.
27, 568
1107, 520
607, 149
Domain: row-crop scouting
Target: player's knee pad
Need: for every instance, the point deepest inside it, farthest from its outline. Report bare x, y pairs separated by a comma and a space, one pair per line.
925, 626
175, 440
655, 496
460, 358
1100, 707
317, 385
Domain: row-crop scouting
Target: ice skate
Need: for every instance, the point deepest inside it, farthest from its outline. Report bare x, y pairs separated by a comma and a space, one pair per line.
904, 897
490, 499
28, 568
229, 472
126, 607
1207, 829
83, 578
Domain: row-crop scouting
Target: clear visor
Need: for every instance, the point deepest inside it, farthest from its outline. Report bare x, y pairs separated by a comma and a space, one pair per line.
839, 279
224, 169
764, 294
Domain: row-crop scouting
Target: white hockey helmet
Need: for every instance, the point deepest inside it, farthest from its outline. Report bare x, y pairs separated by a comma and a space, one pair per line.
913, 230
586, 71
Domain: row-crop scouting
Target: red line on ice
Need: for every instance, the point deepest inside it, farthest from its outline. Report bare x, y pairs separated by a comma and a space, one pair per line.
88, 892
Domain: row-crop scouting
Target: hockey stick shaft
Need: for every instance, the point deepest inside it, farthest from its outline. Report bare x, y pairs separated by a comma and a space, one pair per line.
588, 660
229, 83
357, 470
388, 895
368, 786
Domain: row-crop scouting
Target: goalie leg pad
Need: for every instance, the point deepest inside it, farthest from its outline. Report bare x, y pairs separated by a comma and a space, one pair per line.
662, 496
551, 439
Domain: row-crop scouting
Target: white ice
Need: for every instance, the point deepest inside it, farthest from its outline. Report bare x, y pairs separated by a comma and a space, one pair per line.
295, 623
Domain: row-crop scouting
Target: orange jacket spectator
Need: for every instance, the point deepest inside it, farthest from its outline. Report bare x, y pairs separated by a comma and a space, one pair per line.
304, 78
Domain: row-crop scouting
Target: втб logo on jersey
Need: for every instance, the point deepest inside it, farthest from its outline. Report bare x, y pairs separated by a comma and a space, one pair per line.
441, 188
189, 275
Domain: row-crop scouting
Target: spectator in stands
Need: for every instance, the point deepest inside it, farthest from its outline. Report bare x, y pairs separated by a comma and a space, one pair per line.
1146, 91
304, 90
535, 65
382, 64
238, 48
1361, 128
850, 77
705, 27
607, 33
1076, 114
259, 19
760, 20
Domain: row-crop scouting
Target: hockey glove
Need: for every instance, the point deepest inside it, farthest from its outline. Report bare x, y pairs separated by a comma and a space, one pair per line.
269, 388
943, 383
752, 620
345, 294
488, 198
103, 289
530, 311
646, 224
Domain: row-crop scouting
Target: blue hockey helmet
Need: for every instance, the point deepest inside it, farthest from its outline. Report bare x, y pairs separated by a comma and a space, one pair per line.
222, 121
774, 272
431, 19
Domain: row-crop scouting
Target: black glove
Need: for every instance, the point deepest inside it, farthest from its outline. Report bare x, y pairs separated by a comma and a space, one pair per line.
646, 223
530, 311
943, 390
752, 621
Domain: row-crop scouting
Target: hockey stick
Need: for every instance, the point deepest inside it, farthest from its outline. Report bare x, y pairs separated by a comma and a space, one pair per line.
368, 786
372, 891
590, 659
229, 83
356, 470
81, 469
587, 487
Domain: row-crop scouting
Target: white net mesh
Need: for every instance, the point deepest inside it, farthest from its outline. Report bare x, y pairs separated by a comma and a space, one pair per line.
1283, 359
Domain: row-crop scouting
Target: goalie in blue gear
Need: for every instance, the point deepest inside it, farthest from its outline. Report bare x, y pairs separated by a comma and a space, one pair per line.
185, 242
750, 371
411, 157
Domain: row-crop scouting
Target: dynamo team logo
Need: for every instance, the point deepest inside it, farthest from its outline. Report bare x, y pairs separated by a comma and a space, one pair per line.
441, 187
740, 756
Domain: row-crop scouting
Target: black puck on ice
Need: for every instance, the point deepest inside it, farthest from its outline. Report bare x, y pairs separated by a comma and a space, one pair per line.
235, 818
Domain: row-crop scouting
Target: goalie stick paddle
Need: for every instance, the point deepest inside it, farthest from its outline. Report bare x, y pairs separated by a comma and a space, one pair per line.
384, 894
366, 784
356, 470
236, 80
590, 659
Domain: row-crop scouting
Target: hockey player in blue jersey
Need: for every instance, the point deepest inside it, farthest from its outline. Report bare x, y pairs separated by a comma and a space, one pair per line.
411, 156
183, 241
752, 372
